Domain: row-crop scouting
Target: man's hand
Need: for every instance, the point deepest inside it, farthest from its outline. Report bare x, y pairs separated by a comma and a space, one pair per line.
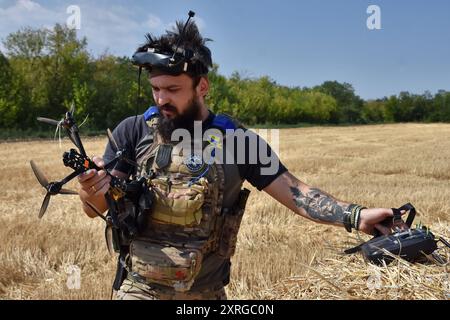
94, 184
371, 219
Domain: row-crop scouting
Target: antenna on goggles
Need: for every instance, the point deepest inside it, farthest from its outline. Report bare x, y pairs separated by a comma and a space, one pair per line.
191, 15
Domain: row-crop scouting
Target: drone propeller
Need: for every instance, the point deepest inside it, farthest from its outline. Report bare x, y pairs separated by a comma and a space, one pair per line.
59, 124
115, 148
68, 123
52, 188
47, 200
72, 129
109, 239
112, 141
72, 138
110, 164
67, 191
72, 108
120, 153
97, 212
44, 205
39, 174
49, 121
108, 229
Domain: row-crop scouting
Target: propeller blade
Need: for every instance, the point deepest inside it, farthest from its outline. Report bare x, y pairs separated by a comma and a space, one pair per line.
49, 121
72, 108
110, 164
73, 133
112, 141
133, 163
85, 119
109, 239
39, 175
115, 147
444, 242
79, 145
44, 205
67, 191
97, 212
73, 138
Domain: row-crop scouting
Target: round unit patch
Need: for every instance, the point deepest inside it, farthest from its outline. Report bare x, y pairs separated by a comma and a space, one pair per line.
194, 163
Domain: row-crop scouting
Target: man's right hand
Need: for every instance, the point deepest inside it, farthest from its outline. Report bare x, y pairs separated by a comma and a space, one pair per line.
94, 184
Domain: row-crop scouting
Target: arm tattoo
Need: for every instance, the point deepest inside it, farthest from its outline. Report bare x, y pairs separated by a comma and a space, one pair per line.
319, 205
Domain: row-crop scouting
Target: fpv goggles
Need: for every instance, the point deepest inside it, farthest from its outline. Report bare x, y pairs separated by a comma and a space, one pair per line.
178, 62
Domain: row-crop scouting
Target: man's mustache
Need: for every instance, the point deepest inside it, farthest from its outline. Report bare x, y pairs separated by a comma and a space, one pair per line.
168, 107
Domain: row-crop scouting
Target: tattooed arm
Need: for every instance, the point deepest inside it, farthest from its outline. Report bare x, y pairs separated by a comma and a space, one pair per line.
319, 206
309, 202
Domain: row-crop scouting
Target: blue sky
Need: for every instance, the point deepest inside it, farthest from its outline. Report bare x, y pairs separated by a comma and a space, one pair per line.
295, 42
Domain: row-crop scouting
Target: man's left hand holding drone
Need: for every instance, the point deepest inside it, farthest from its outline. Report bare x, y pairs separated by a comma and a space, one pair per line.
94, 186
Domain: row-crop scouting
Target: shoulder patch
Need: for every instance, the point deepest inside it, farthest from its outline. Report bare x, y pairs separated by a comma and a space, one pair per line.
151, 112
224, 122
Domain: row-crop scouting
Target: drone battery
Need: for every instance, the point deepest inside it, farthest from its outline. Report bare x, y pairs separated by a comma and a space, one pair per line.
411, 245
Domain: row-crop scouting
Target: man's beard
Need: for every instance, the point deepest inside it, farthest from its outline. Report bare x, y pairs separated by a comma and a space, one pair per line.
185, 120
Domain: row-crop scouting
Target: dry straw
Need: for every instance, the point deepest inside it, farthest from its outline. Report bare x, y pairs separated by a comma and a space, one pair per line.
279, 255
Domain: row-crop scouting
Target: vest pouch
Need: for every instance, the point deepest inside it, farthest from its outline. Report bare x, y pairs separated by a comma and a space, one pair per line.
165, 265
232, 222
184, 205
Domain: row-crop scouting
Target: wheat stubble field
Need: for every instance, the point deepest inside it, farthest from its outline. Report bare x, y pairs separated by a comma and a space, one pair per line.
279, 255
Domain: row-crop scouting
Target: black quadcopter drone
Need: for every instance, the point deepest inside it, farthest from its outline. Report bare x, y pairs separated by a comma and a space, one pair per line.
80, 163
122, 192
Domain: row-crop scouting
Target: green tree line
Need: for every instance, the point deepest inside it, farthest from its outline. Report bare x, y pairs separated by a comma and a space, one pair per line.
42, 72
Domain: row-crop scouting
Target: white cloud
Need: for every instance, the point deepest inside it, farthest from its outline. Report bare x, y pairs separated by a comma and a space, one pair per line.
107, 26
28, 5
25, 13
153, 22
113, 28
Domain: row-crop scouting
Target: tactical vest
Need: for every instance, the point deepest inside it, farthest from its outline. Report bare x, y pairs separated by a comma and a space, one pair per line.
197, 211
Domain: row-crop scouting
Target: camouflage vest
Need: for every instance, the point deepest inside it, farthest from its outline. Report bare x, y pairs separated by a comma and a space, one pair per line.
197, 210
